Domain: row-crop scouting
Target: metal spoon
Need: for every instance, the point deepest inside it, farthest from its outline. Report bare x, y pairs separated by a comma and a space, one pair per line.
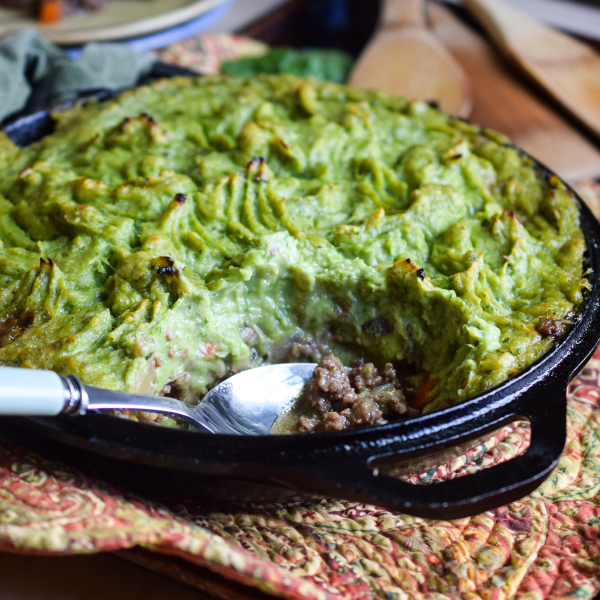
246, 404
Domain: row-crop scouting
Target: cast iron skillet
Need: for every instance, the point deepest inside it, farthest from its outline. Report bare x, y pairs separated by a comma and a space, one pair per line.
348, 464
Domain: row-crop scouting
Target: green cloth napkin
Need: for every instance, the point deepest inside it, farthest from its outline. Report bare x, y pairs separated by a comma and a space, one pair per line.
26, 58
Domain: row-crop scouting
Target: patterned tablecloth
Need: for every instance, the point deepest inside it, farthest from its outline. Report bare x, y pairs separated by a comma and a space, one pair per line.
546, 545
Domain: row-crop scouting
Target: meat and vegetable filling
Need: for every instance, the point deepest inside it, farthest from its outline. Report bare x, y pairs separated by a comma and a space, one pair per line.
337, 399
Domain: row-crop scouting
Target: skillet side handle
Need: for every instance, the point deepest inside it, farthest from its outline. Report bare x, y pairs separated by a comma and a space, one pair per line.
475, 493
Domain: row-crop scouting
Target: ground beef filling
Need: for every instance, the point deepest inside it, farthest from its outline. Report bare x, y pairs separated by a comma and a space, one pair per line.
342, 400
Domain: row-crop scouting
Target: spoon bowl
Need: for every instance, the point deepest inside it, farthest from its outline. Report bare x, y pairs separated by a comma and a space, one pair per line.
250, 402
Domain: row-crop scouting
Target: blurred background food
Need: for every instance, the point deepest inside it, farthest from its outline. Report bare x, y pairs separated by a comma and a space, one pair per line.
145, 24
35, 8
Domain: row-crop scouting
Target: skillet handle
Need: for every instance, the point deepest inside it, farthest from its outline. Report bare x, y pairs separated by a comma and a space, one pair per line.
474, 493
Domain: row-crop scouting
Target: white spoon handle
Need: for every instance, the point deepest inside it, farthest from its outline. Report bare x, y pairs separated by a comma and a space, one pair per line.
31, 392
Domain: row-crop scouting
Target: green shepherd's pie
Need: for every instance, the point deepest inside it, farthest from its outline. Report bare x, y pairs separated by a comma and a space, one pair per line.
163, 240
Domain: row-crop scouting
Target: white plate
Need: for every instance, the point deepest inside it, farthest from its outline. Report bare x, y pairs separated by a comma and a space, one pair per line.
117, 20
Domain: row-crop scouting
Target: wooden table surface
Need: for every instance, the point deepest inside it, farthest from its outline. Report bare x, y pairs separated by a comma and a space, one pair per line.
92, 577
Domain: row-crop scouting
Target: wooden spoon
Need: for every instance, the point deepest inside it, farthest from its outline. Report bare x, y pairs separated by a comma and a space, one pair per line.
404, 58
502, 102
565, 67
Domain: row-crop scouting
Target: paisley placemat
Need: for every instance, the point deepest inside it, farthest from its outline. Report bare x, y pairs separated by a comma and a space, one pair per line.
545, 546
204, 53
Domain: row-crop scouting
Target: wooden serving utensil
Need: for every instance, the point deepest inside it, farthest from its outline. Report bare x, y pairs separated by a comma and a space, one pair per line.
502, 102
566, 68
404, 58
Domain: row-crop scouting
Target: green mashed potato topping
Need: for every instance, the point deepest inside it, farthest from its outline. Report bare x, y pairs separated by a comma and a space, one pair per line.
181, 232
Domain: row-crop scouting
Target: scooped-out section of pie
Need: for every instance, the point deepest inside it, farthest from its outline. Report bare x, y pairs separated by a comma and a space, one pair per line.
165, 239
